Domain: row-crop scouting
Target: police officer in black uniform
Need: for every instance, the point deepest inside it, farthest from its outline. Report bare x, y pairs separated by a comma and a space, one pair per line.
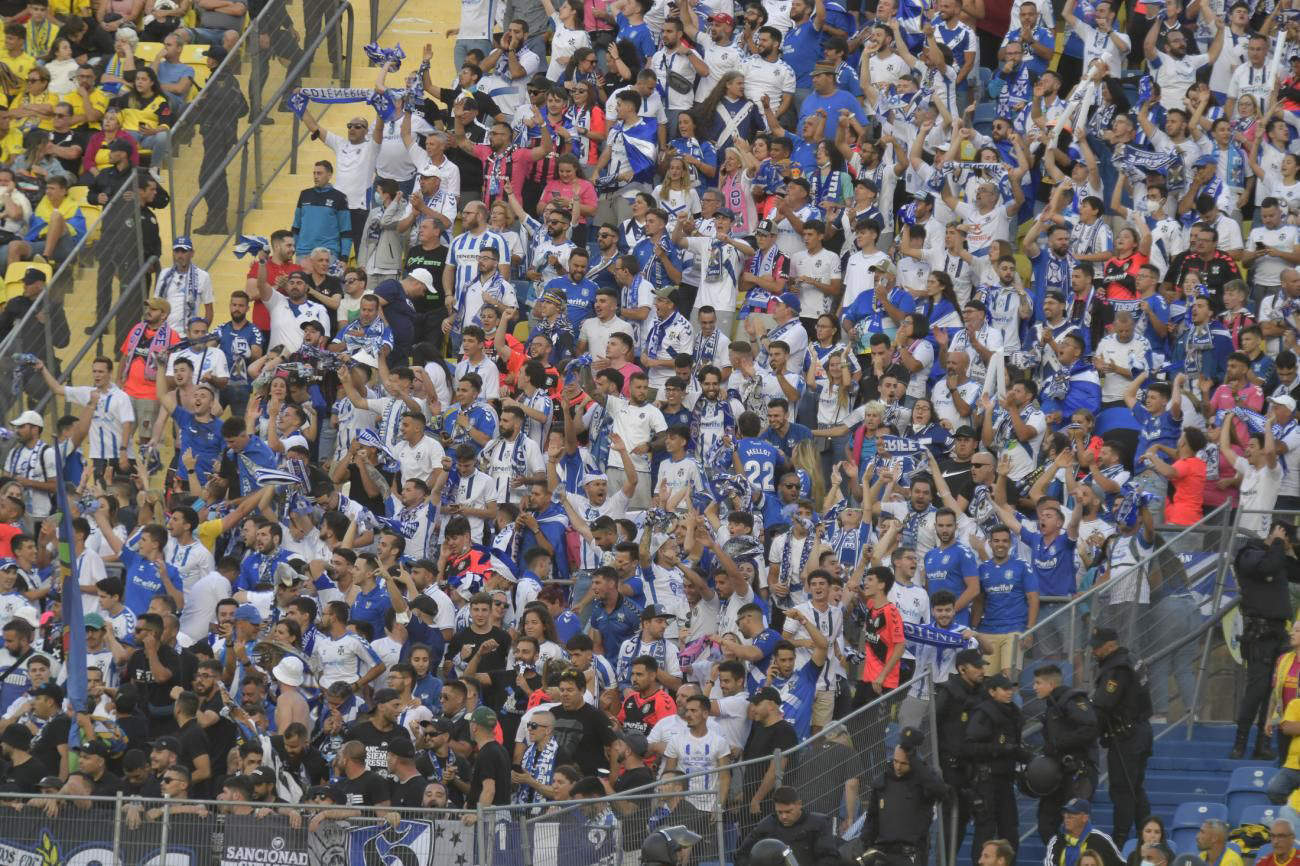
900, 806
993, 744
1264, 571
1122, 699
954, 699
1070, 735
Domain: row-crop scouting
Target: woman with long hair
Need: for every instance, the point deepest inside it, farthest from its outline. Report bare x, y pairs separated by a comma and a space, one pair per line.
97, 148
1121, 270
624, 64
37, 159
700, 157
939, 303
537, 624
34, 109
677, 195
924, 426
830, 382
586, 118
568, 35
146, 114
736, 186
581, 68
726, 116
567, 186
831, 186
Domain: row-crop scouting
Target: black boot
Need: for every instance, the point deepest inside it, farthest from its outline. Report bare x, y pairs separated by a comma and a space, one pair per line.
1263, 751
1239, 746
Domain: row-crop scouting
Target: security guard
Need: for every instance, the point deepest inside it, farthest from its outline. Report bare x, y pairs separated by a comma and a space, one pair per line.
1265, 569
900, 806
993, 744
1122, 698
1070, 735
954, 699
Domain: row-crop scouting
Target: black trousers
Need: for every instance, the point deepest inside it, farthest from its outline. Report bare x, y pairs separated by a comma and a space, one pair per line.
217, 195
957, 812
994, 808
1126, 766
1081, 783
1262, 641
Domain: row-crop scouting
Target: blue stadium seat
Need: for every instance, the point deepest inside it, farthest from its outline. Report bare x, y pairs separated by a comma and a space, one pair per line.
1246, 788
1129, 847
1265, 814
985, 114
1188, 819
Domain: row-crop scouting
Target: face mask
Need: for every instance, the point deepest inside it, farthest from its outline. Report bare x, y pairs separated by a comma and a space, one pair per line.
1148, 863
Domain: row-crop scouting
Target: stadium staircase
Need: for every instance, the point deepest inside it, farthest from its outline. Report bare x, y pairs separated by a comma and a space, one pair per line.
1182, 777
412, 24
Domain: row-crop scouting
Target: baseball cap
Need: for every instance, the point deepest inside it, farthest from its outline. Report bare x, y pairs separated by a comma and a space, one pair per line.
970, 657
300, 275
655, 611
167, 744
1077, 806
323, 791
30, 417
119, 144
183, 243
722, 18
54, 783
402, 748
766, 693
1284, 400
383, 696
95, 747
636, 743
33, 275
998, 681
94, 620
262, 776
423, 277
483, 717
725, 212
17, 737
443, 725
429, 170
791, 300
216, 52
1103, 636
248, 613
965, 431
48, 690
668, 293
765, 227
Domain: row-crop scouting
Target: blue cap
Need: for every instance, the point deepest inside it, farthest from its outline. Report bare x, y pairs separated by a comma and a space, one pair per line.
791, 300
1206, 159
1077, 806
183, 243
248, 613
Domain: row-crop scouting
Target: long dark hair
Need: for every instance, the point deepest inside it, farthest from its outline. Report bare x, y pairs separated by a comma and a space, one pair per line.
704, 112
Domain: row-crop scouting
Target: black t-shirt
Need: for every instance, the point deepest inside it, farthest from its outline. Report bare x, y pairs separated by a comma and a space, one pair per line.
107, 786
376, 743
956, 473
491, 762
222, 736
73, 137
194, 742
368, 789
495, 694
431, 303
24, 778
434, 766
45, 745
584, 732
157, 695
409, 794
763, 741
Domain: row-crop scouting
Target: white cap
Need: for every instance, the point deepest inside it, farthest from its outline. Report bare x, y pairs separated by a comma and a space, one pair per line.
289, 671
428, 171
1285, 400
28, 613
34, 418
423, 277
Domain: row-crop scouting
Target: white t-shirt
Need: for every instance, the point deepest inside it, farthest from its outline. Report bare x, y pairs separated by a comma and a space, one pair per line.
923, 351
1267, 270
1259, 489
418, 460
695, 755
286, 323
173, 288
200, 609
822, 266
636, 425
772, 79
564, 44
112, 411
985, 227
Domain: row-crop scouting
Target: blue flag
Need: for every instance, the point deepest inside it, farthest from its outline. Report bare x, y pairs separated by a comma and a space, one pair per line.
74, 619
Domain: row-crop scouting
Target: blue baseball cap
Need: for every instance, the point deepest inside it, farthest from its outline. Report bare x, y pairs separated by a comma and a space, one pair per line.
791, 300
248, 613
183, 243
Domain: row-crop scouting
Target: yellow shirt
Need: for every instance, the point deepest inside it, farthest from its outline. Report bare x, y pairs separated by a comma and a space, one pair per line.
46, 98
1292, 714
40, 37
11, 144
150, 115
65, 9
98, 101
207, 533
19, 64
1229, 858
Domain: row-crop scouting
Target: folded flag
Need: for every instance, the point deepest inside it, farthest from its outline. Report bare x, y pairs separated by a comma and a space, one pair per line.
250, 246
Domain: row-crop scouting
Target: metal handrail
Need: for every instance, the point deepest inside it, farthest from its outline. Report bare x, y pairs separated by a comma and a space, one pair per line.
255, 122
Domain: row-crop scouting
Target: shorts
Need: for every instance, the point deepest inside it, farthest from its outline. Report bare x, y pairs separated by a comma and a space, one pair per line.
146, 410
823, 708
1002, 655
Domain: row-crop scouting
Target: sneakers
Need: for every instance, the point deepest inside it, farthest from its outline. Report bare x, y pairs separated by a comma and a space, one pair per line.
1263, 751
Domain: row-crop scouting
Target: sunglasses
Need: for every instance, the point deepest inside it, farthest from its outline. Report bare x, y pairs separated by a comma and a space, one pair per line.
533, 726
356, 126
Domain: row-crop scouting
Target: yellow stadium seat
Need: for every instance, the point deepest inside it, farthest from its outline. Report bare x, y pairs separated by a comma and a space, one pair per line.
145, 52
194, 54
79, 193
14, 277
201, 73
91, 212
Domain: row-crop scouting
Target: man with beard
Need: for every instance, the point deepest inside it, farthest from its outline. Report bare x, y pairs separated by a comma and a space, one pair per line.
581, 729
769, 80
578, 292
241, 341
513, 459
289, 310
380, 731
221, 732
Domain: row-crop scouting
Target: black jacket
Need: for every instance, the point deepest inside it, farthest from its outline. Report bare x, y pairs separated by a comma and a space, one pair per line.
1097, 841
954, 699
810, 839
1070, 725
992, 737
1121, 695
899, 808
1264, 574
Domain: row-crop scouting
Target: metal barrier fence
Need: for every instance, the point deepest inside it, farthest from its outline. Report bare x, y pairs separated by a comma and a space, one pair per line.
71, 827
